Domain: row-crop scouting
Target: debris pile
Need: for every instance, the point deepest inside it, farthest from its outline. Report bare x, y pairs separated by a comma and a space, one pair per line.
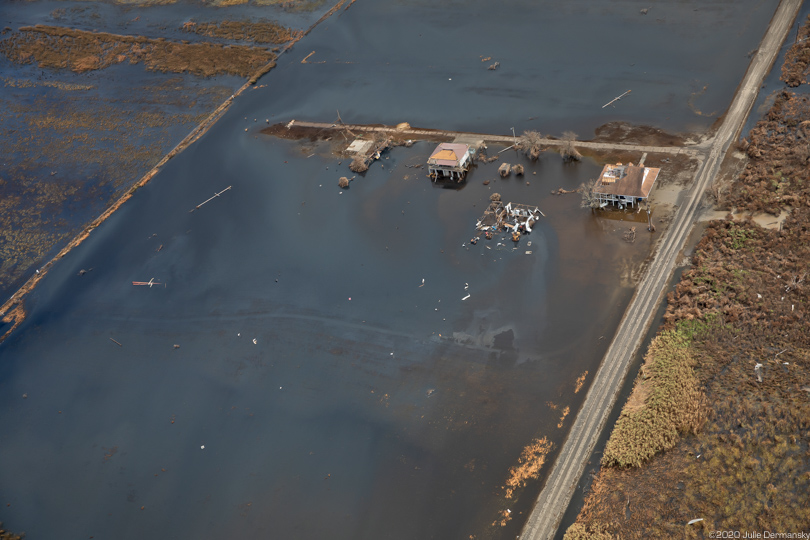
514, 218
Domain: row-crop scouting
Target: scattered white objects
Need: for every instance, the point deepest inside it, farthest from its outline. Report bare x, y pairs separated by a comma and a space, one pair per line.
202, 447
529, 244
759, 296
529, 252
254, 341
392, 354
466, 297
466, 286
695, 521
238, 335
279, 388
786, 363
350, 299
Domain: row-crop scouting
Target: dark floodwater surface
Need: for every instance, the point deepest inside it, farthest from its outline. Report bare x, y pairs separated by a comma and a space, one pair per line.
426, 63
368, 406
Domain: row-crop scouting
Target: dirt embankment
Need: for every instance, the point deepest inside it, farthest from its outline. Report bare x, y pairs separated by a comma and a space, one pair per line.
80, 51
740, 309
797, 59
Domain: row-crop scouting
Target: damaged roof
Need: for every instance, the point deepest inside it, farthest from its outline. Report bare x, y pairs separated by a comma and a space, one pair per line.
627, 181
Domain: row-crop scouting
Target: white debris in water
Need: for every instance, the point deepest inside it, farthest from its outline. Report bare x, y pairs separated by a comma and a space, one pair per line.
466, 297
202, 447
254, 341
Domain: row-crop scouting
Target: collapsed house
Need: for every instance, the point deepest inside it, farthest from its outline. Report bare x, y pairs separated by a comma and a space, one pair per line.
450, 161
514, 218
625, 185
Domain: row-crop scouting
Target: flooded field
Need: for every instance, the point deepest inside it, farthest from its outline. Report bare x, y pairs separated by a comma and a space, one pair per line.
315, 362
360, 377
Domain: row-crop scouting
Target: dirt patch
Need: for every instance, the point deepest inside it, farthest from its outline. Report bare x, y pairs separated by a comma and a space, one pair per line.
622, 132
80, 51
256, 32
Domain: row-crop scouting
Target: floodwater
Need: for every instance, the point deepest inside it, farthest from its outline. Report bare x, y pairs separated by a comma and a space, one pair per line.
416, 61
320, 387
369, 405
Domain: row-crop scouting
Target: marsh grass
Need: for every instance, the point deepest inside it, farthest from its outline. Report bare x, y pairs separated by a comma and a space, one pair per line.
672, 405
81, 51
742, 303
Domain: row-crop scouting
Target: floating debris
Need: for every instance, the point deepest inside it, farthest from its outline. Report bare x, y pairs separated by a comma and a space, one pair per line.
212, 198
504, 170
518, 169
149, 283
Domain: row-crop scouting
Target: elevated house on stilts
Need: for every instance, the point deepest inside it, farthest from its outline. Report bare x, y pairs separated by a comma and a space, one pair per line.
450, 161
625, 185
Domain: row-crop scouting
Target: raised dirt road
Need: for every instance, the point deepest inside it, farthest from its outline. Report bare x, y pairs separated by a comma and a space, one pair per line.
570, 464
417, 133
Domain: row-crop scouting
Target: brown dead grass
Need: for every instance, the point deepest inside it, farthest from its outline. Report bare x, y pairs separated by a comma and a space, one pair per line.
254, 31
778, 149
580, 382
743, 302
565, 412
530, 464
81, 51
6, 535
797, 59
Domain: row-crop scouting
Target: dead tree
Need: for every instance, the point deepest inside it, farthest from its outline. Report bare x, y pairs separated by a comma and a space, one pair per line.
568, 152
589, 197
529, 142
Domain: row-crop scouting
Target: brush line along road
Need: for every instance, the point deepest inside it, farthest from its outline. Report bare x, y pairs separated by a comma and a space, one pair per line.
570, 464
